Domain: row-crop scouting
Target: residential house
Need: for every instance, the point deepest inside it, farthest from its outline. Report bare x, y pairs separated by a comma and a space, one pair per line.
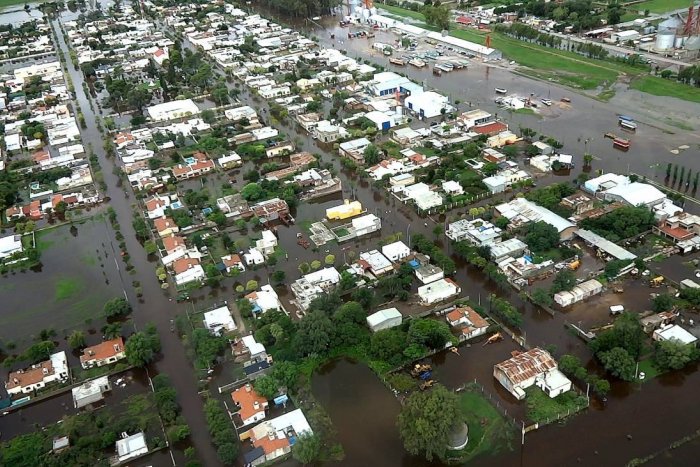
354, 149
188, 270
36, 377
233, 262
396, 251
104, 353
165, 226
536, 367
10, 245
427, 273
346, 210
469, 323
90, 392
174, 244
314, 284
219, 321
438, 291
249, 405
276, 436
132, 446
271, 210
195, 166
375, 262
477, 232
265, 299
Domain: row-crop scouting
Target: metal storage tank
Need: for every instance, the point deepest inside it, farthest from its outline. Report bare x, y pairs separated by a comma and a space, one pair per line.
665, 40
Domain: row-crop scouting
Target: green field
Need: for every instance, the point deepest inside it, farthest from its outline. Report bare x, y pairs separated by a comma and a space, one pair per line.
543, 409
560, 66
489, 432
666, 87
401, 12
569, 68
660, 6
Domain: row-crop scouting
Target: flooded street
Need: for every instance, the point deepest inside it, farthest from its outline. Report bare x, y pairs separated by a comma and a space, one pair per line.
636, 421
157, 306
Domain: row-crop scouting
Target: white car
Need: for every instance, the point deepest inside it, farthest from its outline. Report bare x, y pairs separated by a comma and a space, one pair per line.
546, 102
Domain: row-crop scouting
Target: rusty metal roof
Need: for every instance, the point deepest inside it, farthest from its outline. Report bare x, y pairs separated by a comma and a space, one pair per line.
525, 365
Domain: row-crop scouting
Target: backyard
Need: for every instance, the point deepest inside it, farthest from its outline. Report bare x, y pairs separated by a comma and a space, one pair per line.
489, 432
69, 288
543, 409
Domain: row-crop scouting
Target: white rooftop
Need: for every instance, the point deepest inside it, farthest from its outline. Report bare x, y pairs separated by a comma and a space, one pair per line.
675, 332
219, 319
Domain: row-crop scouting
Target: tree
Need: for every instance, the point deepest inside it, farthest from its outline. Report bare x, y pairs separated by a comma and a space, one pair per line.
76, 340
587, 159
426, 421
371, 154
601, 387
569, 364
208, 116
437, 15
227, 453
39, 351
541, 297
278, 276
315, 264
117, 307
329, 260
314, 334
501, 222
150, 247
541, 236
429, 332
142, 347
619, 363
662, 302
564, 280
304, 268
252, 192
674, 355
307, 448
60, 208
626, 333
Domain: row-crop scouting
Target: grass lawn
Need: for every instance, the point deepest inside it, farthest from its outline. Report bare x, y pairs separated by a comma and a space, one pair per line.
666, 87
649, 369
67, 288
489, 432
541, 408
660, 6
75, 278
401, 12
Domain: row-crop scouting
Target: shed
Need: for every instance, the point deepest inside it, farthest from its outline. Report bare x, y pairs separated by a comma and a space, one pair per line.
384, 319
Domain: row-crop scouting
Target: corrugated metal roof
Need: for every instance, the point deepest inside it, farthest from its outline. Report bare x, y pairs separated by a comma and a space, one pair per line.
527, 365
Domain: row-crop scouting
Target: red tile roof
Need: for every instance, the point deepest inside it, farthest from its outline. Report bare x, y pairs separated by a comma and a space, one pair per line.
172, 243
491, 128
103, 350
31, 376
246, 397
183, 264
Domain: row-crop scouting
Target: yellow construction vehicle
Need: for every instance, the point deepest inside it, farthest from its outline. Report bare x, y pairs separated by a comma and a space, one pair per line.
657, 281
574, 265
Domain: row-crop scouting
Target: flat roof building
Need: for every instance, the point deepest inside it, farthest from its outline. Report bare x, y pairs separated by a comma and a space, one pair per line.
172, 110
438, 291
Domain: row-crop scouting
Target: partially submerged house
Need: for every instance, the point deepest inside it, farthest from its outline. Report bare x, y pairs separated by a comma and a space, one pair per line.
536, 367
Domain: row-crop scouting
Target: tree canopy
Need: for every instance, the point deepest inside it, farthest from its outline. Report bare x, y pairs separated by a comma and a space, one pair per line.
426, 421
541, 236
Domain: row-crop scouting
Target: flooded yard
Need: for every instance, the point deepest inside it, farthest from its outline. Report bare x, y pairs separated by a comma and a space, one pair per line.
77, 275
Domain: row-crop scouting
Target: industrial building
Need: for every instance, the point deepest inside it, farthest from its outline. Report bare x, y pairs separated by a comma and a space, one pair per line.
384, 319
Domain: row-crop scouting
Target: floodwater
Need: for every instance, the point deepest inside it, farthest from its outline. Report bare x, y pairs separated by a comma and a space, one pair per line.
604, 430
36, 416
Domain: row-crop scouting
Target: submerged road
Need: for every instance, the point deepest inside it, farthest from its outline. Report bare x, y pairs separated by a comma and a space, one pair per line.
156, 306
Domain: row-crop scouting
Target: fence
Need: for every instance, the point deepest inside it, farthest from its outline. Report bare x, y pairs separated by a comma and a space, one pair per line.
494, 400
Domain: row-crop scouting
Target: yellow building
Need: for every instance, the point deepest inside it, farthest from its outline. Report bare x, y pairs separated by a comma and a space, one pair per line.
345, 210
